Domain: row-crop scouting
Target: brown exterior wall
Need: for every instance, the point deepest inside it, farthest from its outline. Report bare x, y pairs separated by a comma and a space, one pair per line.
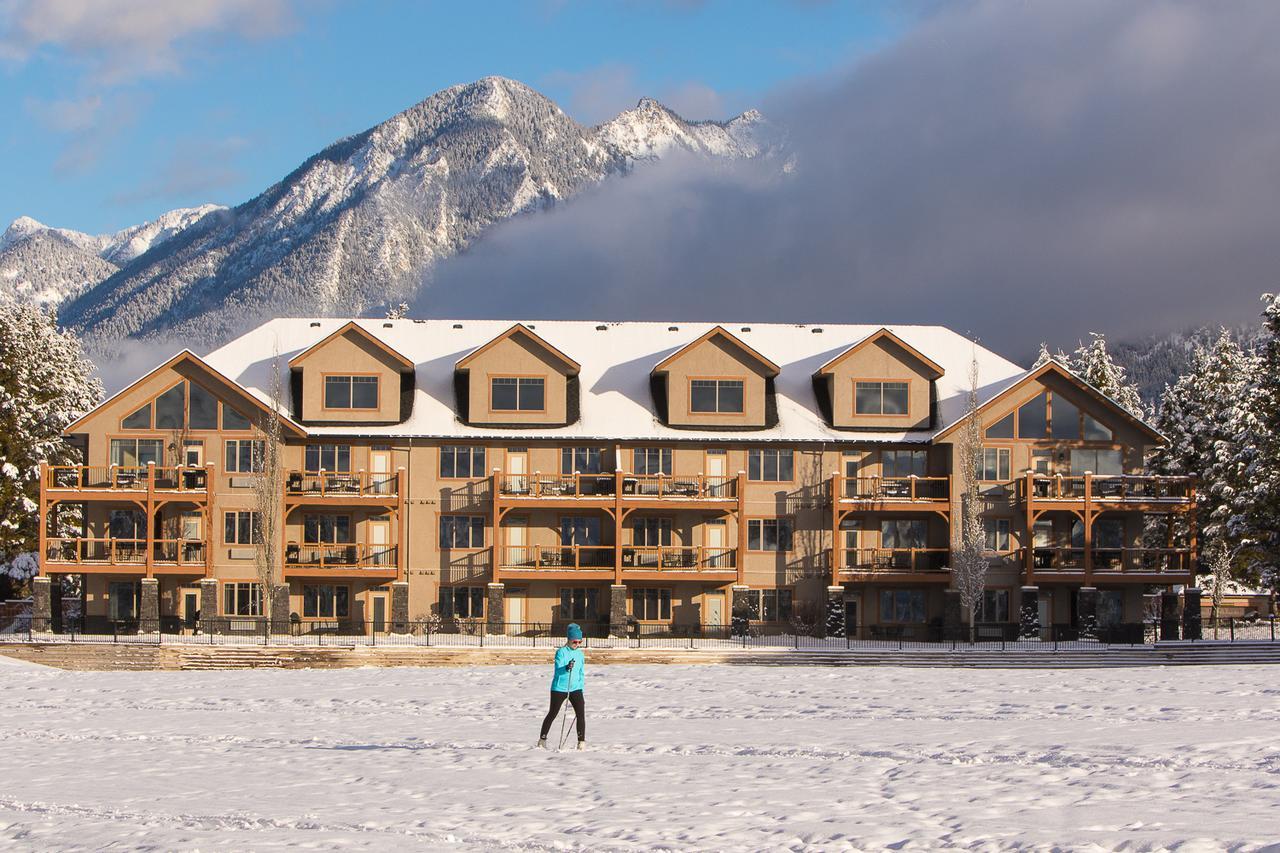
517, 356
348, 355
881, 360
716, 358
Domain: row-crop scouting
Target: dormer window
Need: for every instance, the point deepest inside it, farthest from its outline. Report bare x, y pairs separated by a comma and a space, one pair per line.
351, 392
517, 394
881, 398
715, 396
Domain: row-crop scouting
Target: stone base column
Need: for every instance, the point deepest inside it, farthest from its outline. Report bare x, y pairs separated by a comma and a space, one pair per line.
741, 610
149, 607
835, 611
496, 608
209, 622
1087, 612
1191, 627
400, 607
1169, 615
1029, 614
279, 612
952, 616
617, 610
41, 604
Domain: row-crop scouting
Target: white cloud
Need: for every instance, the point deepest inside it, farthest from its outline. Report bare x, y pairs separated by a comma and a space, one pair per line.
65, 115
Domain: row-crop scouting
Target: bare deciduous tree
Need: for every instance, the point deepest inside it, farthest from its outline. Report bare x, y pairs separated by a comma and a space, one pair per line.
268, 492
1220, 560
969, 561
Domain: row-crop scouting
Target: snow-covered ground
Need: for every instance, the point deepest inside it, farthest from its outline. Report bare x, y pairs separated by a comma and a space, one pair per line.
681, 758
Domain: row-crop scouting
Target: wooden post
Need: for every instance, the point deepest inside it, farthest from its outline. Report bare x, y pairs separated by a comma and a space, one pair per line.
402, 525
495, 500
151, 509
1088, 528
742, 527
208, 516
43, 521
1029, 543
617, 527
835, 529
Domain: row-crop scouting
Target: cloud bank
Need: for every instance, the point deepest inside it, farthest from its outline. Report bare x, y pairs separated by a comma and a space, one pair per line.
1021, 172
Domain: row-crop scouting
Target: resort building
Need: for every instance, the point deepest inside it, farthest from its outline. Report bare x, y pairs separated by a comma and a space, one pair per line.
610, 474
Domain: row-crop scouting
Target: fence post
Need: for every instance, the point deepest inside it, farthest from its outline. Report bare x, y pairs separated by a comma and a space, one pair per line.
1273, 627
1231, 623
482, 638
796, 637
373, 635
115, 631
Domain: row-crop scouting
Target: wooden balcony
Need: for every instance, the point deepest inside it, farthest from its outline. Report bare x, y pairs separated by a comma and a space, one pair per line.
112, 482
340, 487
517, 487
679, 559
1107, 491
894, 563
675, 488
1112, 562
350, 558
609, 488
932, 493
556, 557
126, 556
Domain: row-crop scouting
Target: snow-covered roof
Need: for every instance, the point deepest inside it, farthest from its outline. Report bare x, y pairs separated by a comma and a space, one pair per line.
616, 360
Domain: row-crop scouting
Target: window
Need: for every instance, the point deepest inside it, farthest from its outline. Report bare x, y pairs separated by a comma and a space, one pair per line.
1110, 608
185, 405
1108, 534
580, 530
1066, 419
580, 460
461, 461
996, 531
136, 452
517, 394
1033, 418
351, 392
140, 419
1002, 428
325, 601
651, 460
771, 466
770, 605
462, 602
202, 408
903, 463
902, 605
462, 531
170, 407
1098, 461
1095, 431
993, 464
128, 524
651, 532
716, 396
880, 398
244, 455
902, 533
326, 529
241, 528
328, 457
233, 420
579, 603
651, 604
241, 599
769, 534
993, 606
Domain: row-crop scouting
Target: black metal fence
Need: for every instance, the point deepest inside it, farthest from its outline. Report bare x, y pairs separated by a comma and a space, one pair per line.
478, 633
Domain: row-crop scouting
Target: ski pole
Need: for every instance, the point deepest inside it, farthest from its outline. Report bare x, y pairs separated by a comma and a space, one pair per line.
565, 718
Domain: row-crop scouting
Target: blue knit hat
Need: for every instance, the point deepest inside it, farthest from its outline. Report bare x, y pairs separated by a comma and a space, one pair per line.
573, 632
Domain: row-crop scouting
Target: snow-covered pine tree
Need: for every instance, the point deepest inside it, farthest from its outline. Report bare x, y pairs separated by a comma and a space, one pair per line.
46, 382
1092, 363
1044, 357
1255, 520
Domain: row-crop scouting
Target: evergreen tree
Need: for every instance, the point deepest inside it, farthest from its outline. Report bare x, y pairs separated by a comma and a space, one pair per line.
1092, 363
1255, 519
46, 382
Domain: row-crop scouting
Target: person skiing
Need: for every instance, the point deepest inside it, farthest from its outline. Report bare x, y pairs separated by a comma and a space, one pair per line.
567, 682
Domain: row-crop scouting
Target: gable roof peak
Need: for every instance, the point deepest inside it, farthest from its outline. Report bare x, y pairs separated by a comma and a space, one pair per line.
352, 326
719, 331
883, 333
520, 329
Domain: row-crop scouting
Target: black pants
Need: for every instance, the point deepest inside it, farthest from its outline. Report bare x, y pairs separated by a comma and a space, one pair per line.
579, 710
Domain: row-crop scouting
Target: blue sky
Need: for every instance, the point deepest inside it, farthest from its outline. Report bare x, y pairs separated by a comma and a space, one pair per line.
121, 112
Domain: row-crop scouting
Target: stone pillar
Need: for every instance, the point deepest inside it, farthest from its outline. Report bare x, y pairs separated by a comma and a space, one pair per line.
209, 606
496, 609
1169, 615
1087, 612
41, 604
149, 607
279, 612
952, 616
400, 607
617, 610
741, 619
1029, 614
1191, 629
835, 611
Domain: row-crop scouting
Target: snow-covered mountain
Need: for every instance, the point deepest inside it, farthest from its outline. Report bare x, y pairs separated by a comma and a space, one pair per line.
360, 224
51, 265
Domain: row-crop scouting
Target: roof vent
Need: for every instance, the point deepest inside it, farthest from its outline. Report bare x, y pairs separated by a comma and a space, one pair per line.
745, 329
387, 326
602, 328
817, 330
530, 326
419, 321
673, 328
315, 324
457, 325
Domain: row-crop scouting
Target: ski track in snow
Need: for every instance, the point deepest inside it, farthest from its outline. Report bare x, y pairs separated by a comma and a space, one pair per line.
681, 758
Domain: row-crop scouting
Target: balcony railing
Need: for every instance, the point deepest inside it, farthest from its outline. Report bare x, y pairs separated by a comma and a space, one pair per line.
96, 551
691, 486
556, 486
894, 560
674, 558
126, 478
348, 555
179, 552
1115, 560
557, 556
894, 489
1057, 558
334, 484
1108, 488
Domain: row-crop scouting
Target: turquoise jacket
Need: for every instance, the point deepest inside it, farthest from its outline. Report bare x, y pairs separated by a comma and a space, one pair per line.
565, 680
